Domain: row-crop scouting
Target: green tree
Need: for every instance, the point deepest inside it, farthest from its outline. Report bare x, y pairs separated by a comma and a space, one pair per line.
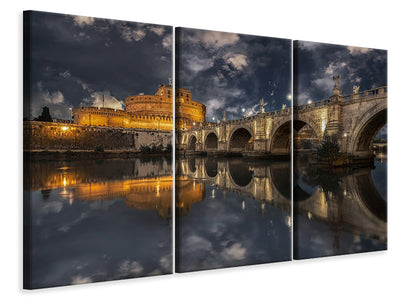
329, 150
45, 116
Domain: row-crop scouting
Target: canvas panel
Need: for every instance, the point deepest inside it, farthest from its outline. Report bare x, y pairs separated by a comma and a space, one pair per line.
233, 134
340, 143
98, 125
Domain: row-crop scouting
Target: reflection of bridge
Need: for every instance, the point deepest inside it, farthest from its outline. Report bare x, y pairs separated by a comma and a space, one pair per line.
355, 120
266, 183
347, 201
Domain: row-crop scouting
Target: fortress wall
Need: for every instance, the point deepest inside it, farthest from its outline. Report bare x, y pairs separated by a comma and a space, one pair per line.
65, 136
107, 117
149, 105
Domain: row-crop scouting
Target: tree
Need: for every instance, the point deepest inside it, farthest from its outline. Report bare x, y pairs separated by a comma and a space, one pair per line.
329, 149
45, 116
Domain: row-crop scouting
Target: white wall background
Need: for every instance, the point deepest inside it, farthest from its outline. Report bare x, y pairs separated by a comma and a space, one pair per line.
366, 23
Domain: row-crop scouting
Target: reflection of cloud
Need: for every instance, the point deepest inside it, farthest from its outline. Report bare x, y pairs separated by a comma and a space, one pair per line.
66, 227
236, 251
166, 262
80, 280
198, 243
51, 207
128, 268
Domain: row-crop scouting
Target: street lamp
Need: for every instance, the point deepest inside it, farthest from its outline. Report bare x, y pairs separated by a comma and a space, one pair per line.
243, 111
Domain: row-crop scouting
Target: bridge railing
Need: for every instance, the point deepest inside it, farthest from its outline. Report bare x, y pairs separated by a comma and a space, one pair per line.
362, 96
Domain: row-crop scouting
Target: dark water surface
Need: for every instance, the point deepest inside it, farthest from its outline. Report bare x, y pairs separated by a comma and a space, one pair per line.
99, 220
231, 212
339, 212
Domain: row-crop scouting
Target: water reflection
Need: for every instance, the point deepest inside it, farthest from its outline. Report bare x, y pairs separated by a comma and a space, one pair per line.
99, 220
338, 212
231, 212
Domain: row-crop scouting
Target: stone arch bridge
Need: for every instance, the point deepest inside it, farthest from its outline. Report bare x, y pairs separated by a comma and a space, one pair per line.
355, 120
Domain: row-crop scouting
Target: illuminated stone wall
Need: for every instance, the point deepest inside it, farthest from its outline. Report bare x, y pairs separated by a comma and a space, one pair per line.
107, 117
65, 136
159, 104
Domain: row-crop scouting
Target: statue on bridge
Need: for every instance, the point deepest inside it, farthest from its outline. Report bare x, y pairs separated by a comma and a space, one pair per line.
355, 92
262, 106
336, 89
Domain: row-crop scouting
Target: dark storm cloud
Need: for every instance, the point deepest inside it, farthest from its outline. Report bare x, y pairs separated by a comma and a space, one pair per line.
315, 64
228, 71
76, 60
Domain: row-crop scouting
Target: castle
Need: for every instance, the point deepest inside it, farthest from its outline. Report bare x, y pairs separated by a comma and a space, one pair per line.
146, 112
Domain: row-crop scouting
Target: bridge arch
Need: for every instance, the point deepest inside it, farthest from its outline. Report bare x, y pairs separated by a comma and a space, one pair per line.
368, 125
239, 173
241, 139
281, 138
211, 141
192, 142
305, 135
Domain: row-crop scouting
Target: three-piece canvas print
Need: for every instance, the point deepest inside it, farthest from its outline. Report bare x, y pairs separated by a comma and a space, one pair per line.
263, 168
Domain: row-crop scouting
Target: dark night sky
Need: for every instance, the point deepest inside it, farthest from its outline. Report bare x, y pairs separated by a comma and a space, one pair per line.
228, 71
75, 60
316, 63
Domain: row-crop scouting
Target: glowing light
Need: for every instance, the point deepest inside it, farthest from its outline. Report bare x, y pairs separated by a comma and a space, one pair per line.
309, 215
289, 97
288, 221
323, 125
309, 102
64, 181
64, 128
243, 110
345, 134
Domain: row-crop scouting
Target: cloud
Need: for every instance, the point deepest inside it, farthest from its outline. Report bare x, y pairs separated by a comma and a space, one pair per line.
324, 84
130, 34
83, 21
158, 30
218, 39
65, 74
50, 97
358, 50
96, 100
335, 68
167, 42
213, 105
238, 61
196, 63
